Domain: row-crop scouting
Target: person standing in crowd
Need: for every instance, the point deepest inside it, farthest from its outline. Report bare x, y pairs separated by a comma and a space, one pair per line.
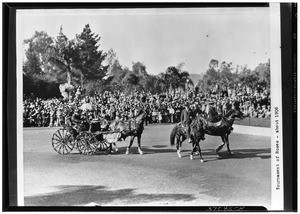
45, 117
59, 117
171, 113
163, 109
52, 115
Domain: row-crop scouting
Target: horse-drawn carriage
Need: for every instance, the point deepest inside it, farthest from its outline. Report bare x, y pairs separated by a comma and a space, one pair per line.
88, 137
98, 135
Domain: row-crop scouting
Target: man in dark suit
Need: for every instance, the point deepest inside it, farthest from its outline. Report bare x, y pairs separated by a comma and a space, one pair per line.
212, 114
186, 120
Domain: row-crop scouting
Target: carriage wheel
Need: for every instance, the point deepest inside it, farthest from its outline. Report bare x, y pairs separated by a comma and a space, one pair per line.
87, 143
62, 141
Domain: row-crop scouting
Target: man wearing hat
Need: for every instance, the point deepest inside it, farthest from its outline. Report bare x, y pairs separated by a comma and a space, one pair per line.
186, 120
76, 122
211, 112
76, 117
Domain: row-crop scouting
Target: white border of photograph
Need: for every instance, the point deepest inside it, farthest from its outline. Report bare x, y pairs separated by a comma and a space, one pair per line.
276, 105
20, 150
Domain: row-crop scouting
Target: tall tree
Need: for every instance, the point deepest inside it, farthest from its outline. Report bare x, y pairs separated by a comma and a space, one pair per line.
263, 71
130, 81
112, 62
248, 78
183, 75
91, 58
226, 75
32, 65
37, 45
213, 64
161, 83
139, 68
211, 78
172, 77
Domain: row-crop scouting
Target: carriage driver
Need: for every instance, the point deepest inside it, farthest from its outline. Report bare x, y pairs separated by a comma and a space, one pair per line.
186, 120
77, 119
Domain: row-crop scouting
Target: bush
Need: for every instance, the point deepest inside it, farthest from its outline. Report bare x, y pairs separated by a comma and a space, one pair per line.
40, 88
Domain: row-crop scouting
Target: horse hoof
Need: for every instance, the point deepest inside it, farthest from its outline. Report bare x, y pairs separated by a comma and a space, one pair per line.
179, 155
191, 157
230, 153
201, 160
127, 152
141, 152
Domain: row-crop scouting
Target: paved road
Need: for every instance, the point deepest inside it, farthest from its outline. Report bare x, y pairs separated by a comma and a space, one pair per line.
157, 178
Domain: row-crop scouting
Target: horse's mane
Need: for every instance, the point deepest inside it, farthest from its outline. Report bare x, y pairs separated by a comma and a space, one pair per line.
140, 116
229, 113
198, 121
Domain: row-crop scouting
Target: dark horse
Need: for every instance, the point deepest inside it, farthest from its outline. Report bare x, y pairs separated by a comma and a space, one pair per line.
200, 126
133, 127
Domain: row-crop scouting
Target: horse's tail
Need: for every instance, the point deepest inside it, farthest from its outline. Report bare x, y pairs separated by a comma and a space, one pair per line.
173, 135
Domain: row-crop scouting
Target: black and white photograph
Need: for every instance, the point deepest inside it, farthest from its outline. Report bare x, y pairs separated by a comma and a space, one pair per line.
150, 107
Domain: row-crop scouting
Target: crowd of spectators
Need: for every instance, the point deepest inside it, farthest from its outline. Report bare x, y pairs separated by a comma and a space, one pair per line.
159, 108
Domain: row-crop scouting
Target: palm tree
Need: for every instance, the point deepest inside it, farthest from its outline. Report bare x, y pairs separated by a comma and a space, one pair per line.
62, 56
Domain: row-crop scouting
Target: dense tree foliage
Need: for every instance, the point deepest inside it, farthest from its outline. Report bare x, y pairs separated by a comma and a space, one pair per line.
90, 58
33, 65
81, 62
225, 76
38, 45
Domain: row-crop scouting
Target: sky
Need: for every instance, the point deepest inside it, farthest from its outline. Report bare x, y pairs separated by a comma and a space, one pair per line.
160, 38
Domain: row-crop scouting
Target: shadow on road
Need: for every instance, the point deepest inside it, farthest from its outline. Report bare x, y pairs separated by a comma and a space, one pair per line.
264, 153
238, 154
149, 150
85, 194
159, 146
248, 153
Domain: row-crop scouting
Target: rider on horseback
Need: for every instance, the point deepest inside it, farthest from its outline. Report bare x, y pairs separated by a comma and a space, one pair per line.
211, 111
186, 120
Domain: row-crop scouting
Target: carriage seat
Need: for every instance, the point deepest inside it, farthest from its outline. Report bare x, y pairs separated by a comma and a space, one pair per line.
97, 125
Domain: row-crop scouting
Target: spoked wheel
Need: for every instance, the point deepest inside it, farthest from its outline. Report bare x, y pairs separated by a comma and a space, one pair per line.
87, 143
62, 141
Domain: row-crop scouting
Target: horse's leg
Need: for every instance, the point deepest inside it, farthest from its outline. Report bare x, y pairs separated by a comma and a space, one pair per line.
199, 149
139, 144
227, 144
130, 144
223, 143
193, 149
114, 146
109, 149
178, 146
